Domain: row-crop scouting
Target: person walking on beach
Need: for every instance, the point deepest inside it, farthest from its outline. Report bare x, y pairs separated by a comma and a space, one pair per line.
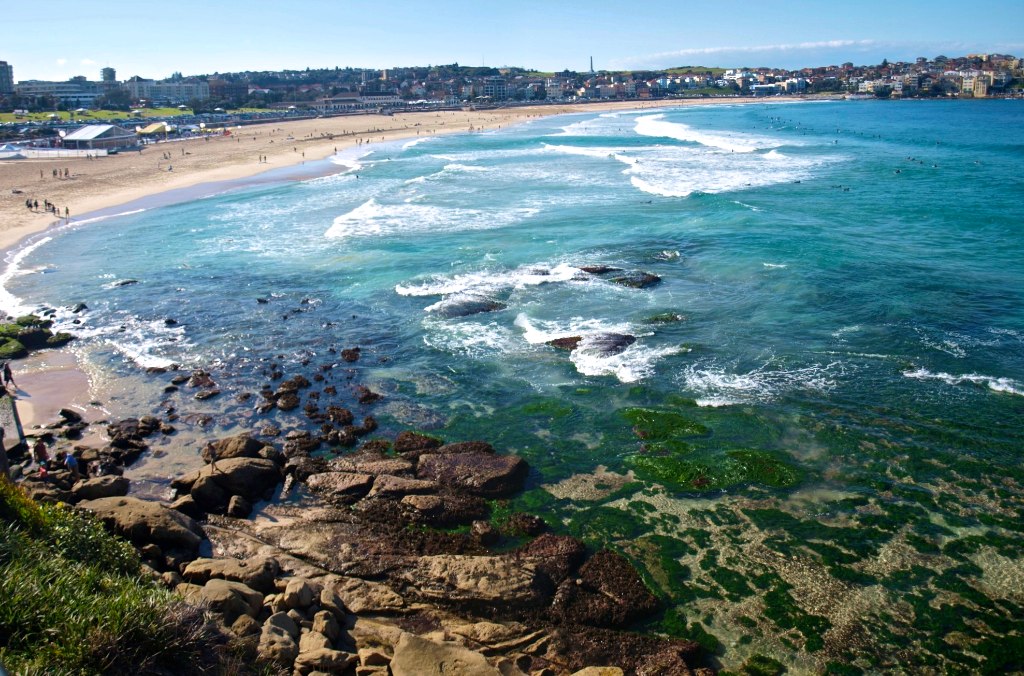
8, 375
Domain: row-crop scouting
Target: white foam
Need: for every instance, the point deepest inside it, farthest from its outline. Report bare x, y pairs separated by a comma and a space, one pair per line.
488, 283
350, 160
476, 340
10, 303
679, 171
417, 141
373, 219
717, 386
775, 266
994, 383
539, 331
656, 125
633, 364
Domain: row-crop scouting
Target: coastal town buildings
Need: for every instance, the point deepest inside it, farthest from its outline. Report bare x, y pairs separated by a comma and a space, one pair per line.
340, 90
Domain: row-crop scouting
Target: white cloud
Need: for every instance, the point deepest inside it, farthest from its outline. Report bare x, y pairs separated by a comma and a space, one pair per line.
88, 62
62, 62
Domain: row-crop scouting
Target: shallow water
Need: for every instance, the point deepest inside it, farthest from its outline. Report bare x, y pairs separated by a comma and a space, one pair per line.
828, 378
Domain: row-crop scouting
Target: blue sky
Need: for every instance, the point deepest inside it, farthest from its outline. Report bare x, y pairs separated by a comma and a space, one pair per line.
62, 38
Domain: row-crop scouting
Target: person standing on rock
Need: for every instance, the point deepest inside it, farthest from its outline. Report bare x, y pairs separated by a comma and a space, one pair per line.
39, 454
8, 376
69, 461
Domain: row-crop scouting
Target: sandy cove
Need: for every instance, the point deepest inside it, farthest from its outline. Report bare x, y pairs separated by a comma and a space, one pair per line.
49, 381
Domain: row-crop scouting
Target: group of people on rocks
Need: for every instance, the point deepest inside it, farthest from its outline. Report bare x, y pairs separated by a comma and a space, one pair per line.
47, 206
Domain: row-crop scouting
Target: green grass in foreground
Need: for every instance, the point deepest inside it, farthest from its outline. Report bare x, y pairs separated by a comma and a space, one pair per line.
72, 601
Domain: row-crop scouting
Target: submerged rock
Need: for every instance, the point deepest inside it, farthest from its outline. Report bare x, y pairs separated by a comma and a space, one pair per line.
637, 280
463, 306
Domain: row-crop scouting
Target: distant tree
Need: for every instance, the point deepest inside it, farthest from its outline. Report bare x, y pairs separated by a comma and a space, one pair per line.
885, 63
115, 99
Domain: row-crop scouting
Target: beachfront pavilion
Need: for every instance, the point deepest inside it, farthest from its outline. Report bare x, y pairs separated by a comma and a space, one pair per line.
100, 136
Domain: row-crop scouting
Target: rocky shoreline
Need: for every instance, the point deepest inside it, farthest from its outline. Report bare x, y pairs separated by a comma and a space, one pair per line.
333, 552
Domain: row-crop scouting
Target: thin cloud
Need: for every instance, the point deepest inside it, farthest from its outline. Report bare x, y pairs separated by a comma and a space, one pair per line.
62, 62
88, 62
666, 57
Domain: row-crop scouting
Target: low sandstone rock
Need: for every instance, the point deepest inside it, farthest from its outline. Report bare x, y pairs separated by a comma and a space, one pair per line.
375, 465
415, 656
482, 474
365, 596
330, 600
257, 573
344, 487
393, 486
599, 671
277, 645
245, 625
230, 599
325, 623
299, 593
370, 657
313, 640
324, 660
100, 487
283, 622
475, 580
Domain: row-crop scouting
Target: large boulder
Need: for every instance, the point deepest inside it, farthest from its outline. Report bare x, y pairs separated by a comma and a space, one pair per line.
240, 446
483, 474
257, 573
415, 656
249, 477
227, 598
145, 522
100, 487
277, 644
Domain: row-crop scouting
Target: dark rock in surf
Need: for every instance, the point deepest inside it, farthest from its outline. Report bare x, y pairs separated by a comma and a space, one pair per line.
607, 344
464, 306
598, 269
637, 280
350, 354
567, 343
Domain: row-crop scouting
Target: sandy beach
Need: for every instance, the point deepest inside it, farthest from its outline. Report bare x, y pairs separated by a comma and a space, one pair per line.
106, 182
92, 185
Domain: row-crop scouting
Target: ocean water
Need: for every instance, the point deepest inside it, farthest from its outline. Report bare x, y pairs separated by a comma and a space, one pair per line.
811, 442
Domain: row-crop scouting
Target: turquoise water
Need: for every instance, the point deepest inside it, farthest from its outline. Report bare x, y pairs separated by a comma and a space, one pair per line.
822, 407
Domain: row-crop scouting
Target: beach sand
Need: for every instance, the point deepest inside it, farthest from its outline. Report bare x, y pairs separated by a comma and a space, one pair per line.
51, 382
